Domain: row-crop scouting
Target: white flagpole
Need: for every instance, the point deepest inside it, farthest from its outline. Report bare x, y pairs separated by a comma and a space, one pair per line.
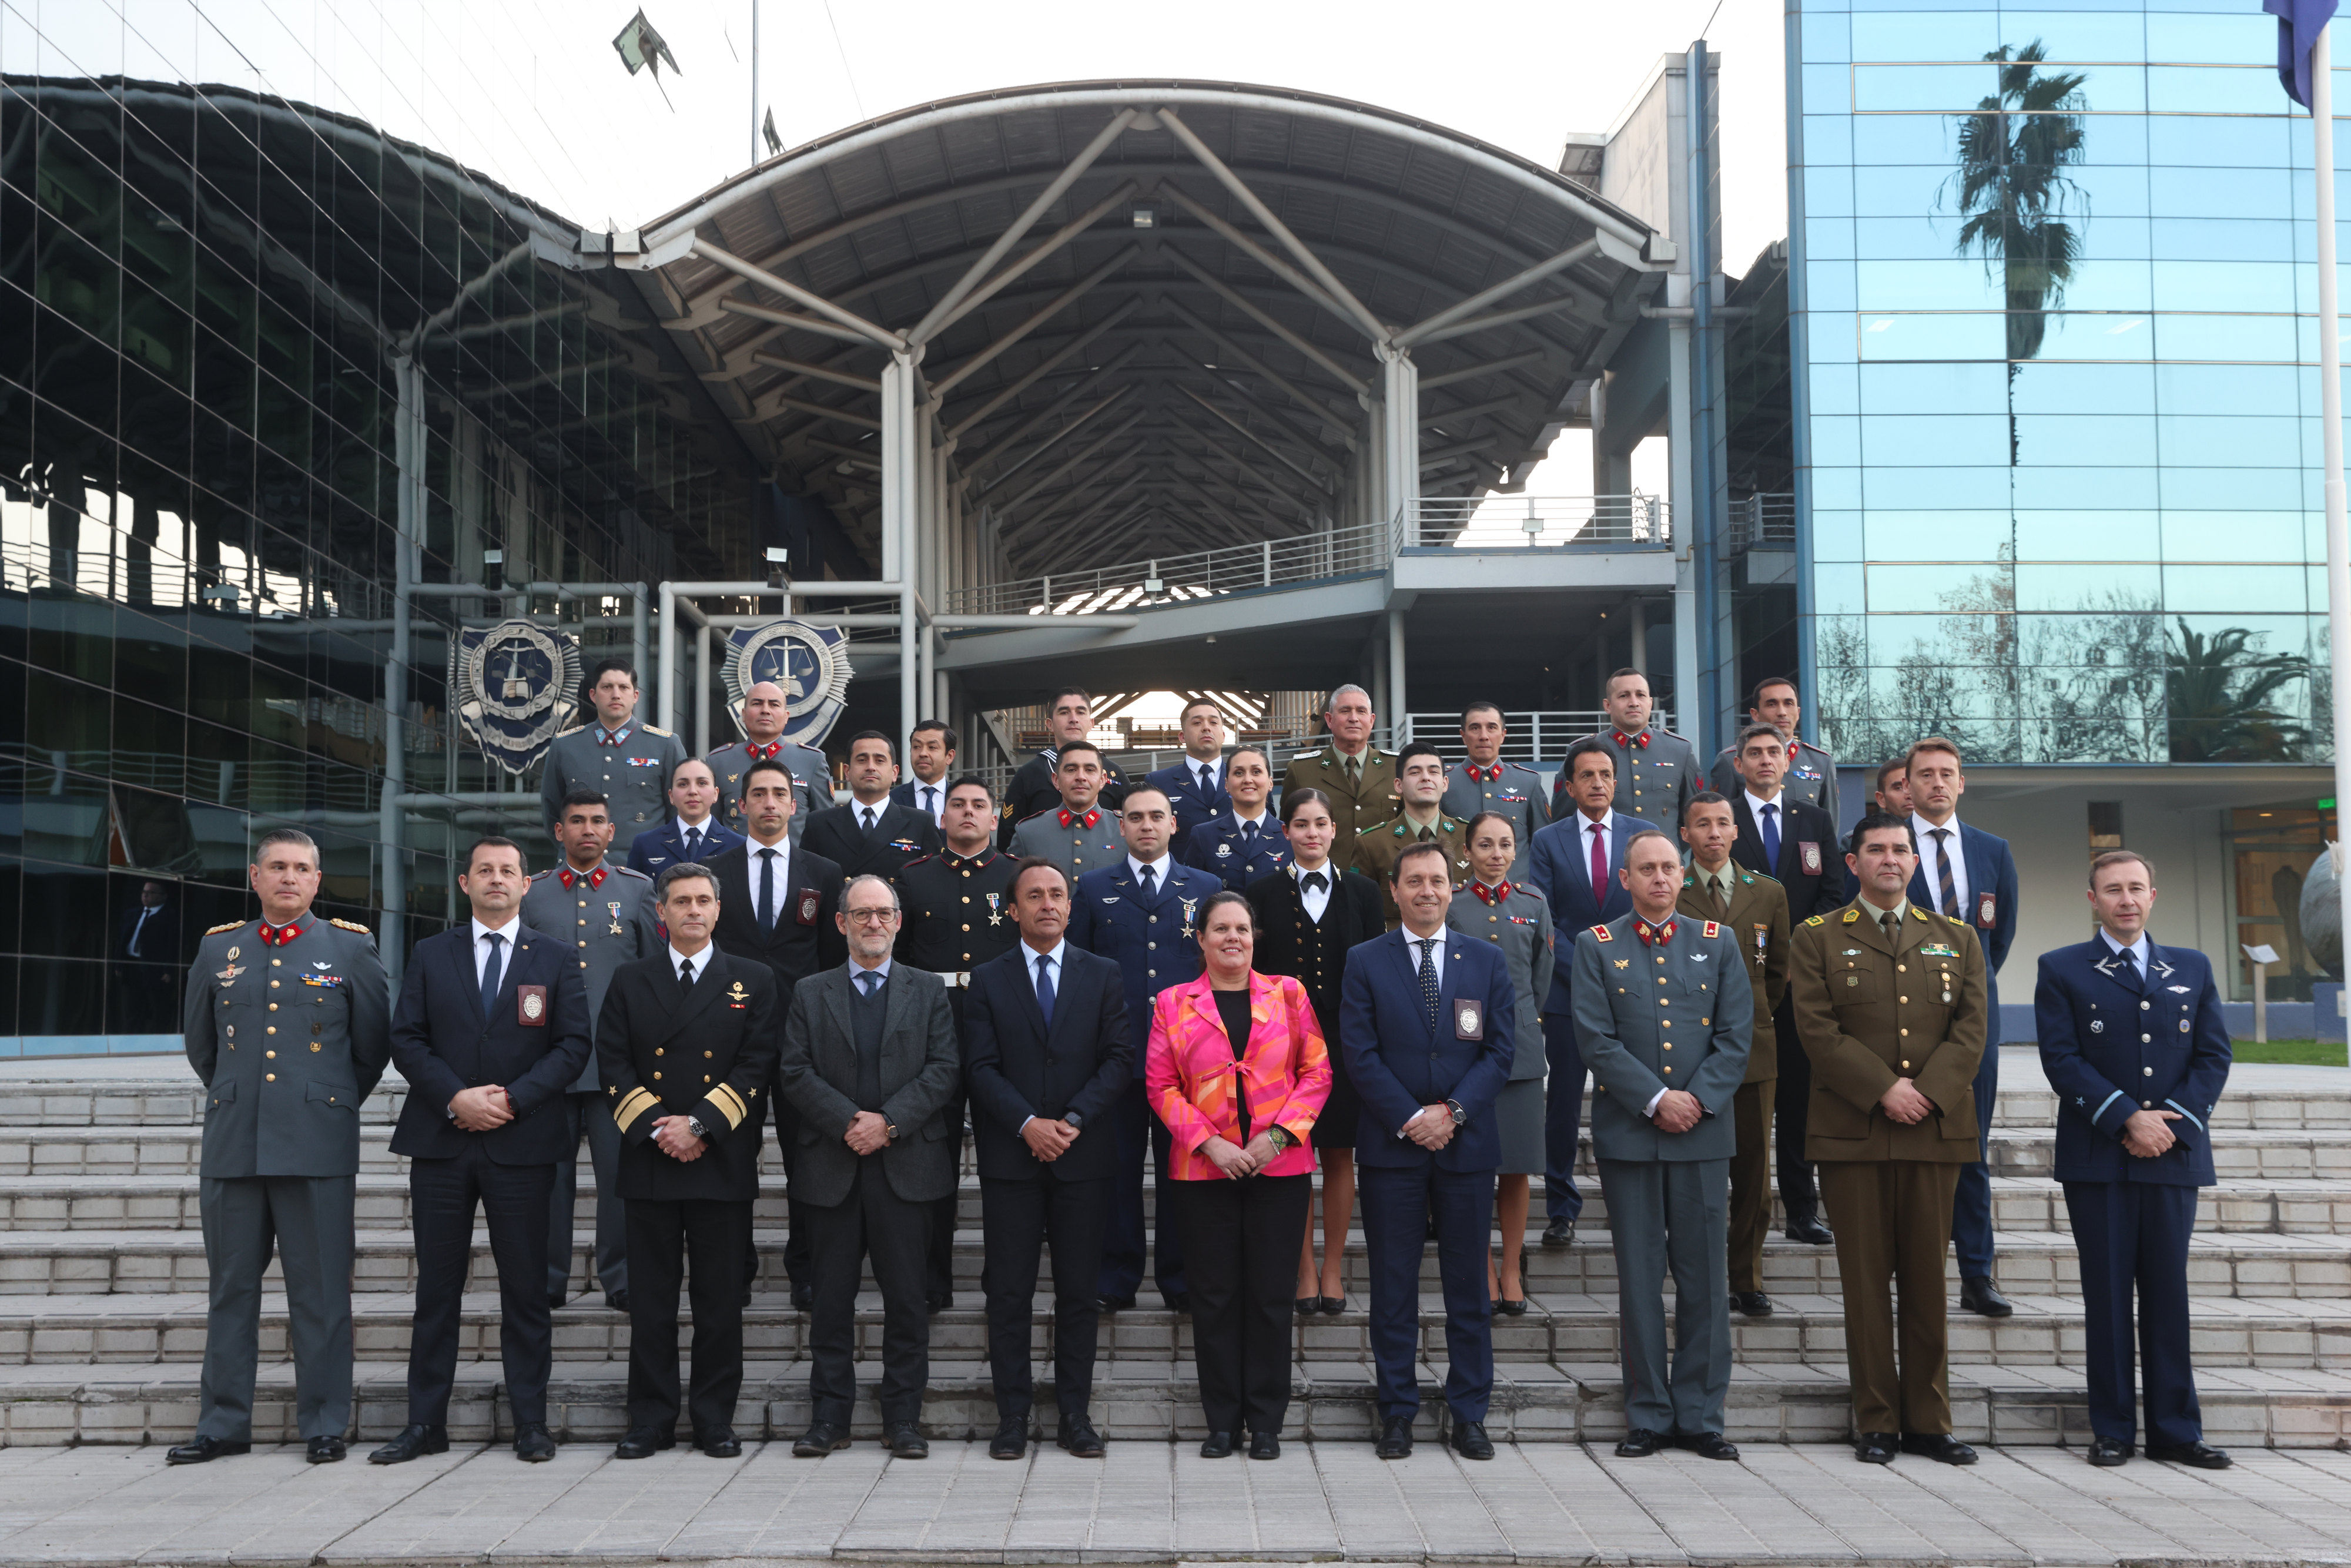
2330, 406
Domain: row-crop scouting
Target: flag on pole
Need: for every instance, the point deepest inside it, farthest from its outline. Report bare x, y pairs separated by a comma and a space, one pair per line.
2299, 23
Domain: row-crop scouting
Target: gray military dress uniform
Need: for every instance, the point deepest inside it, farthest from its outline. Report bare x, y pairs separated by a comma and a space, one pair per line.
1518, 794
811, 782
288, 1039
1077, 848
1654, 782
610, 924
629, 767
1518, 926
1811, 779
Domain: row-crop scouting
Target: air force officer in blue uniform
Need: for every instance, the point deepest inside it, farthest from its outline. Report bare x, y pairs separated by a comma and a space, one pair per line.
1425, 1017
2132, 1041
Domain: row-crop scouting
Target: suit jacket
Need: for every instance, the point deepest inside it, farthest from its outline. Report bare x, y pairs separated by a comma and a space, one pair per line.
1562, 872
1870, 1011
1316, 954
1397, 1067
1182, 782
442, 1044
1015, 1067
817, 1072
2114, 1040
1220, 848
1155, 943
1814, 882
1197, 1088
795, 948
1621, 1016
158, 943
906, 794
1811, 777
710, 1055
655, 850
1758, 916
1991, 872
1353, 806
899, 834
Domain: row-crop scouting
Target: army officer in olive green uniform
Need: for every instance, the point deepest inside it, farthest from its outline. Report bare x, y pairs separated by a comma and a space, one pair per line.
288, 1026
1358, 777
1420, 784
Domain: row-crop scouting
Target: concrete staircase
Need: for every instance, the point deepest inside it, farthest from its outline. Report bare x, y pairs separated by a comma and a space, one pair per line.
102, 1305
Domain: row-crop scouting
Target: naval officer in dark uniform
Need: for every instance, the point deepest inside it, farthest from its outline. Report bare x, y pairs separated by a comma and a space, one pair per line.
1487, 783
289, 1025
626, 762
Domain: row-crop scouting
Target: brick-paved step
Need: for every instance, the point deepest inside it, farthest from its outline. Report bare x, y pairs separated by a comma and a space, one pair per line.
1158, 1400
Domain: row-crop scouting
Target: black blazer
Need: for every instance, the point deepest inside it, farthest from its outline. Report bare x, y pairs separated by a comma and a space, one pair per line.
710, 1055
442, 1044
1290, 944
796, 949
1811, 890
1015, 1067
901, 834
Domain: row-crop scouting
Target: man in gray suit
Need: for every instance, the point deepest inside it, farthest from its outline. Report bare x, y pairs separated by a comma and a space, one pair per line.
1663, 1016
870, 1061
607, 913
628, 763
1487, 783
288, 1022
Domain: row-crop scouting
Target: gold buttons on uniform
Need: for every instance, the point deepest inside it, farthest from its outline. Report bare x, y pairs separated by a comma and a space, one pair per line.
1905, 1000
1905, 1067
657, 1077
273, 1007
657, 1051
271, 1055
705, 1056
274, 962
271, 1029
269, 1076
1905, 1033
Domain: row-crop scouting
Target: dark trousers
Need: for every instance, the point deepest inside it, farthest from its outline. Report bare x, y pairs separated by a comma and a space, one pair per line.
800, 1267
2134, 1236
939, 1268
1750, 1184
712, 1234
1241, 1238
1400, 1204
1972, 1204
1792, 1095
306, 1221
1562, 1116
443, 1195
1888, 1217
590, 1114
871, 1223
1139, 1133
1018, 1219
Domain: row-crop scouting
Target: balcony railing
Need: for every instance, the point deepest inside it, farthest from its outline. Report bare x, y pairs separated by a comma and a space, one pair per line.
1540, 522
1766, 521
1173, 579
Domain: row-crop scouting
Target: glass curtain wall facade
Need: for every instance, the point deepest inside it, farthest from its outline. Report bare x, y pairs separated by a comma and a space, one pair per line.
2058, 402
208, 303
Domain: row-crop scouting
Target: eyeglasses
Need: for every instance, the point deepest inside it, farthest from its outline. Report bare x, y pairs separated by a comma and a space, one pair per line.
870, 917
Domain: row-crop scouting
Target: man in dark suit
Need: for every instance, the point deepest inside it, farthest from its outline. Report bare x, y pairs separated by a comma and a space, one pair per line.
776, 905
872, 835
1195, 786
1070, 715
491, 1030
2132, 1041
930, 757
1795, 844
1425, 1019
1811, 773
694, 833
146, 960
870, 1061
1574, 865
1045, 1056
689, 1156
1976, 886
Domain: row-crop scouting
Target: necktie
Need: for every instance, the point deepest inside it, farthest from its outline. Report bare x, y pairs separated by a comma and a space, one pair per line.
2130, 965
1150, 882
1314, 882
1945, 890
1771, 835
1248, 837
1208, 781
767, 890
137, 929
490, 976
684, 975
1599, 863
869, 818
870, 980
1721, 893
1045, 987
931, 799
1892, 925
1428, 979
694, 843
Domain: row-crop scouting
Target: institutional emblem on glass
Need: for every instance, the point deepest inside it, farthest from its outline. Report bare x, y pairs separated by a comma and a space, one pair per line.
810, 662
514, 685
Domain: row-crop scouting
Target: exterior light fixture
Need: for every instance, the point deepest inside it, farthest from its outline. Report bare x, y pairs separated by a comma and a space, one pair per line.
1146, 217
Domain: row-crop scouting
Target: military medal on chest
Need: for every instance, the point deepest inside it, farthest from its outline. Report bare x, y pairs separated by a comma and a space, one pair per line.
615, 908
995, 914
1189, 906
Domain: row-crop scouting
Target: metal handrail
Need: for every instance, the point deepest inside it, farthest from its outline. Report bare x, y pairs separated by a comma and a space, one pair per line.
1504, 522
1766, 520
1175, 579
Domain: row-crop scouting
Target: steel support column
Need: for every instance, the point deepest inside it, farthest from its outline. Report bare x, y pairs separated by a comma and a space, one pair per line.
1400, 437
900, 484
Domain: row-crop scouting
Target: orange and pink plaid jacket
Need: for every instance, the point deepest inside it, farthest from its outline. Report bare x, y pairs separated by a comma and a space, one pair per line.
1189, 1072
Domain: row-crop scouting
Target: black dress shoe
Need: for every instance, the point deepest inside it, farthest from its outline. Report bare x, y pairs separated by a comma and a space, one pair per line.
1560, 1232
1640, 1443
1874, 1448
1115, 1303
1510, 1308
1307, 1306
1939, 1446
939, 1301
1810, 1229
1707, 1445
822, 1438
204, 1452
1216, 1446
720, 1443
1011, 1439
534, 1443
617, 1300
1265, 1445
412, 1443
1978, 1294
644, 1442
324, 1450
555, 1299
1079, 1438
1395, 1438
1470, 1440
803, 1298
1181, 1302
906, 1442
1333, 1305
1751, 1303
2200, 1453
2108, 1453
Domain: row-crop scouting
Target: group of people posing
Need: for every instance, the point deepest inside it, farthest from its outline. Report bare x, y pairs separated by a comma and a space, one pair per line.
1400, 983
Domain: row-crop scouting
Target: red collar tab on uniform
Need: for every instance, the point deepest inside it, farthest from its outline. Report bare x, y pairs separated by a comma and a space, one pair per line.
279, 935
1792, 750
612, 736
1641, 740
1652, 935
594, 879
1070, 819
1495, 894
766, 753
1491, 775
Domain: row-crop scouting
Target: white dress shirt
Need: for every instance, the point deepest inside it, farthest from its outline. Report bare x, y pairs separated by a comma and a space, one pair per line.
691, 836
1436, 956
505, 948
701, 961
856, 969
754, 848
2137, 950
1315, 899
1930, 857
1159, 869
931, 800
1194, 766
1606, 827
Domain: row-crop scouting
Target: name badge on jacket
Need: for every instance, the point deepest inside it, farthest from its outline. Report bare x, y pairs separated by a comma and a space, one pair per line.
1468, 1022
807, 906
1986, 910
530, 1005
1811, 853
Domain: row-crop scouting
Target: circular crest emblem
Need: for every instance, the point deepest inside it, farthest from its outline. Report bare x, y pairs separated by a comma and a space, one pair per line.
810, 662
1465, 1020
513, 685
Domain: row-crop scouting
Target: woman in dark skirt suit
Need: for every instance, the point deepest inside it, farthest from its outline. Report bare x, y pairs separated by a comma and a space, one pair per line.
1308, 916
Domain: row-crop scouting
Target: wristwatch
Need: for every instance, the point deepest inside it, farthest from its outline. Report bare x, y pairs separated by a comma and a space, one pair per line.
1077, 1122
1460, 1116
891, 1128
694, 1125
1282, 1138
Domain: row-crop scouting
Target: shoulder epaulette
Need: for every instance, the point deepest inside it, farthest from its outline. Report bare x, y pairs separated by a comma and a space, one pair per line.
1689, 879
1033, 816
1534, 893
348, 925
1763, 876
1817, 920
650, 729
1956, 921
918, 859
575, 729
1851, 915
1919, 915
630, 871
1746, 879
1713, 928
542, 875
1602, 932
228, 925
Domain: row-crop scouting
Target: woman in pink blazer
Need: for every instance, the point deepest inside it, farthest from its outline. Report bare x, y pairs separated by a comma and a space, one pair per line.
1238, 1071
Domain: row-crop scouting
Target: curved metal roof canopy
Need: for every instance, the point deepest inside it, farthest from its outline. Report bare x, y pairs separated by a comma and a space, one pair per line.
1150, 318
